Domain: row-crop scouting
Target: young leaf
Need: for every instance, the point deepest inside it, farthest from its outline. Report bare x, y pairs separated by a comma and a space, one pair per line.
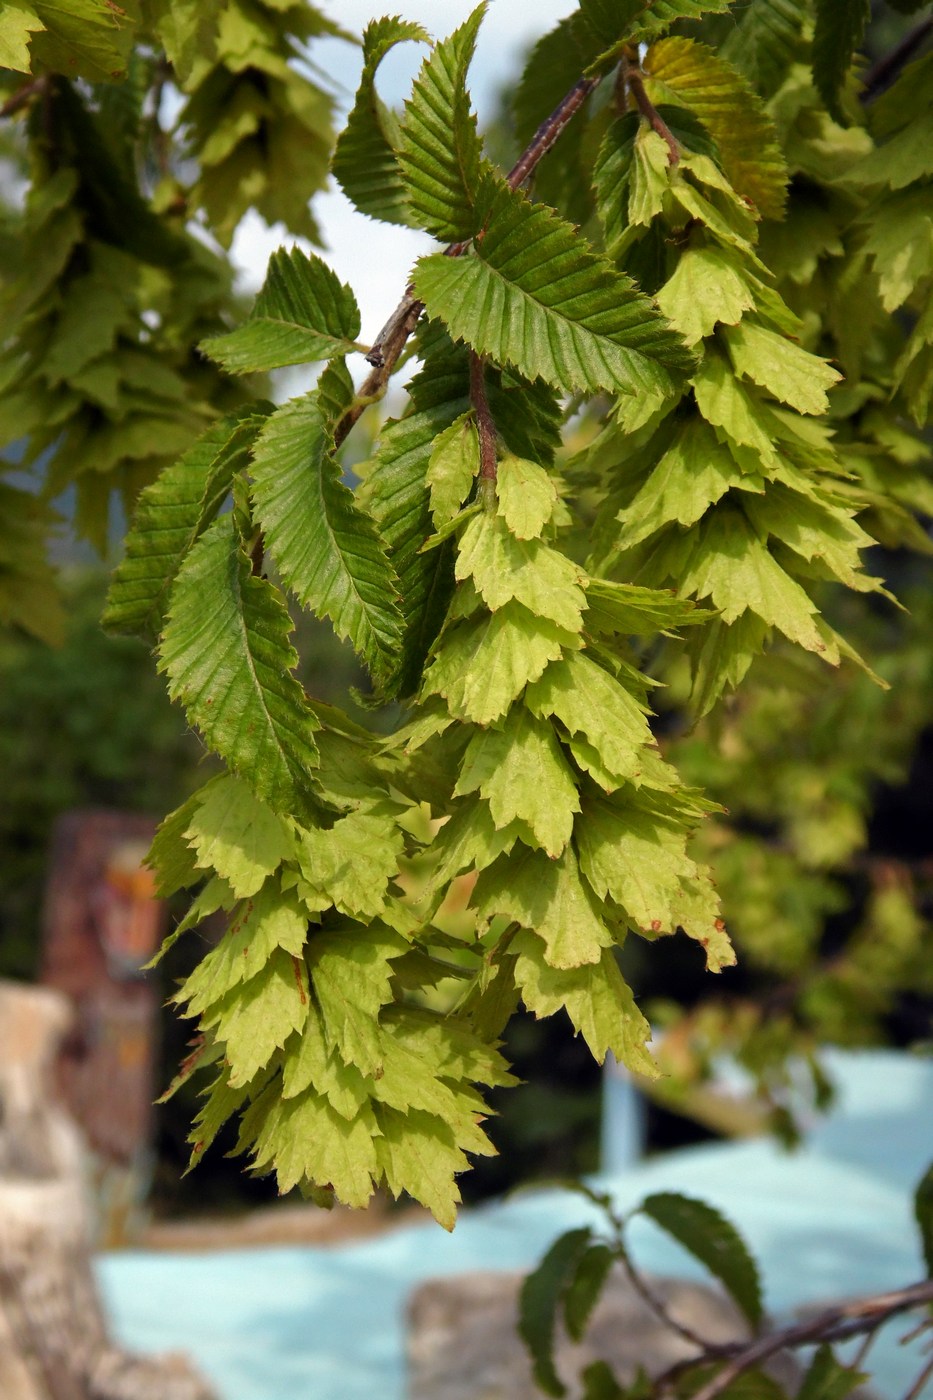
268, 921
439, 152
548, 896
351, 974
328, 551
840, 25
229, 661
717, 1244
766, 41
503, 567
236, 835
522, 773
635, 857
452, 468
303, 313
529, 295
681, 70
788, 372
305, 1139
170, 515
587, 700
365, 161
353, 861
527, 496
417, 1153
706, 288
256, 1018
541, 1295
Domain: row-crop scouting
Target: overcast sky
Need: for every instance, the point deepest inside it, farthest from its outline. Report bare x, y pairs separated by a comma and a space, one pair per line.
374, 257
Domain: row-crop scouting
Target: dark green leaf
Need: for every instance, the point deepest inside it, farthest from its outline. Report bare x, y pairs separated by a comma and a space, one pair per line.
714, 1241
541, 1294
828, 1379
631, 20
365, 161
840, 27
303, 313
170, 516
440, 154
327, 549
529, 294
585, 1287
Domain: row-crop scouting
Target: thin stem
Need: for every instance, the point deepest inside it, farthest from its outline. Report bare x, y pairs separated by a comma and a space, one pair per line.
658, 1308
484, 423
834, 1325
883, 73
390, 341
636, 86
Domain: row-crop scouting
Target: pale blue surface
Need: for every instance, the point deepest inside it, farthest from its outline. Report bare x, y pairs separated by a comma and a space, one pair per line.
295, 1323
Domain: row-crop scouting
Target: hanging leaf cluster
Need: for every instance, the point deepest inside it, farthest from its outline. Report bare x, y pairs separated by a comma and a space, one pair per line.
642, 451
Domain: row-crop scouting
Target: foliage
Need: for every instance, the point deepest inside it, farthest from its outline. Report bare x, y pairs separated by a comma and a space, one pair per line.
565, 1288
638, 459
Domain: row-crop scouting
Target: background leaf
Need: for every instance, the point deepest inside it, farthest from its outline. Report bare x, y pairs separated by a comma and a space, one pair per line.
540, 1297
714, 1241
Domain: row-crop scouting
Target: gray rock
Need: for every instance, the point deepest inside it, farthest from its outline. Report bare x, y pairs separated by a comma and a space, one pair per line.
463, 1342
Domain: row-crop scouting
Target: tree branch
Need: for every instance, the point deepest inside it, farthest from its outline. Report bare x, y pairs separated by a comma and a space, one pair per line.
883, 73
833, 1325
23, 96
391, 340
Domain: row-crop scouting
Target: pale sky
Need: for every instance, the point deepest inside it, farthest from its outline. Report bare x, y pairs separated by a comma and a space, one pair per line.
375, 257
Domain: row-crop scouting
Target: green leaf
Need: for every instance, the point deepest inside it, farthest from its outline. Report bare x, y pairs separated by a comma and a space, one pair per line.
170, 516
351, 973
638, 20
840, 27
706, 288
365, 161
303, 313
923, 1210
766, 42
521, 771
600, 1384
439, 151
530, 294
725, 403
505, 568
327, 550
354, 861
20, 22
598, 1001
585, 1286
311, 1063
635, 856
649, 176
84, 38
228, 659
170, 856
579, 693
541, 1295
256, 1018
548, 897
452, 468
828, 1379
682, 70
787, 371
268, 921
636, 612
732, 566
417, 1153
717, 1244
305, 1139
236, 835
482, 665
694, 473
527, 496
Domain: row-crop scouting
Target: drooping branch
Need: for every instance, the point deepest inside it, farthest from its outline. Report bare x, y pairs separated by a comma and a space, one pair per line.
636, 86
391, 340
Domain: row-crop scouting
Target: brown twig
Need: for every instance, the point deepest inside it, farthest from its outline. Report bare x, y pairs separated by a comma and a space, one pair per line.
23, 96
485, 426
919, 1385
883, 73
636, 86
391, 340
833, 1325
658, 1308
